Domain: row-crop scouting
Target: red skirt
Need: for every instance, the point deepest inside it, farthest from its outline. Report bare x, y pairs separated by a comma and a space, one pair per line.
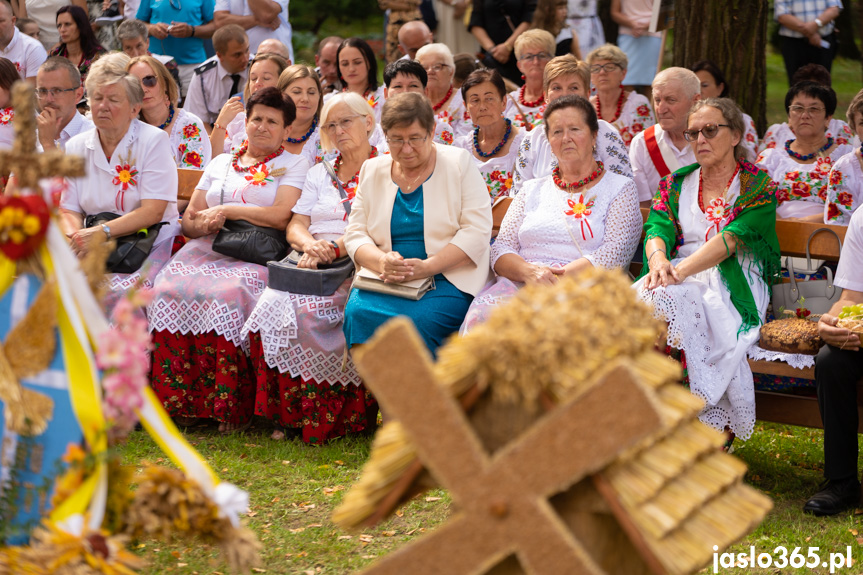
320, 410
202, 375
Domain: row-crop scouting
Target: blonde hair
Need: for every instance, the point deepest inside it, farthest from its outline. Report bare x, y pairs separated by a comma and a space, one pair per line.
536, 37
564, 66
165, 80
352, 100
854, 108
297, 72
611, 53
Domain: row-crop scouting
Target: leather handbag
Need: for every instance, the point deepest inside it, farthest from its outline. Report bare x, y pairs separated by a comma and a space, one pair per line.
415, 289
818, 296
250, 242
285, 275
131, 250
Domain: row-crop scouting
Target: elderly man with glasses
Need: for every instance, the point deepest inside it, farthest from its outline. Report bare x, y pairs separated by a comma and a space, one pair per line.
58, 91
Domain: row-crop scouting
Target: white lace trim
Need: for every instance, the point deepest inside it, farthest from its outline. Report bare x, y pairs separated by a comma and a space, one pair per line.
795, 360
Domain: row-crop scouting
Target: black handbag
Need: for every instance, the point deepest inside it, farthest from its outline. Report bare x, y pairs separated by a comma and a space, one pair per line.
249, 242
284, 275
132, 250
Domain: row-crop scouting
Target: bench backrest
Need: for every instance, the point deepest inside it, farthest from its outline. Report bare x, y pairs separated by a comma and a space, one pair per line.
794, 234
187, 180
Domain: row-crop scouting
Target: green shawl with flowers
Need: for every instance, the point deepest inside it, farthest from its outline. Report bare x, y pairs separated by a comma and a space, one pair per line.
752, 221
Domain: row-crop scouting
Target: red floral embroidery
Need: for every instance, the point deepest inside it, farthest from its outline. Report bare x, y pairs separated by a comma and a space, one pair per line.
6, 116
193, 159
579, 209
259, 176
845, 199
125, 178
191, 131
835, 178
643, 110
832, 211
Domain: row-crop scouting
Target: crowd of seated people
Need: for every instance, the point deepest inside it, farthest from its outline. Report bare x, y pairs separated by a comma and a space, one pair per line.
401, 177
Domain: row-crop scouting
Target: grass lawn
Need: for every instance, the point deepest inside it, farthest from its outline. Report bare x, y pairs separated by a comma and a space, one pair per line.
295, 487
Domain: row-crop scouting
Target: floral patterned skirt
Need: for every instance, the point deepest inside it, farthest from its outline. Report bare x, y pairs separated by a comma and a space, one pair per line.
322, 411
202, 375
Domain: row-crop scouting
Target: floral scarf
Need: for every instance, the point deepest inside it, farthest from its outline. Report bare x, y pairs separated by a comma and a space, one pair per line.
752, 221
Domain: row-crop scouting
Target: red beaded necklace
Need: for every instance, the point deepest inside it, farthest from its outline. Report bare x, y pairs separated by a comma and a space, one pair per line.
620, 102
555, 176
235, 161
534, 104
356, 177
440, 104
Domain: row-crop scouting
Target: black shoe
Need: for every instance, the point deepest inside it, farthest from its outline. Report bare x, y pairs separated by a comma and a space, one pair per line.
110, 15
834, 497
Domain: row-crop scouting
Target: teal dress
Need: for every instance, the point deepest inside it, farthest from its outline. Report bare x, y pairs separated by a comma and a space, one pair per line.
436, 315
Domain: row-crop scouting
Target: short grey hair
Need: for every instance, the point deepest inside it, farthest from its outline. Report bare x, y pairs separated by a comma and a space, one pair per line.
685, 78
405, 109
111, 69
732, 115
131, 30
55, 63
352, 100
437, 49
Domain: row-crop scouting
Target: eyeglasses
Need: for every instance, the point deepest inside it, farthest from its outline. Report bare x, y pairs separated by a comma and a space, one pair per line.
535, 57
41, 93
345, 124
800, 110
596, 69
709, 131
149, 81
398, 143
435, 68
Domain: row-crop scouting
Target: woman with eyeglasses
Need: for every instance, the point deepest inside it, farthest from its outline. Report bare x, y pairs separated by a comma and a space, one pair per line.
302, 84
202, 298
579, 217
229, 130
131, 179
495, 139
358, 73
297, 343
186, 132
533, 51
714, 85
626, 110
801, 165
447, 102
421, 212
711, 254
78, 42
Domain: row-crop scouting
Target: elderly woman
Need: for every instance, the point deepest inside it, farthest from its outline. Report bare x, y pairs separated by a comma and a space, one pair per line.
229, 129
131, 180
533, 50
422, 212
403, 76
8, 76
714, 85
802, 165
626, 110
580, 216
495, 140
358, 72
189, 142
447, 102
315, 396
202, 298
78, 43
302, 84
711, 253
845, 183
565, 75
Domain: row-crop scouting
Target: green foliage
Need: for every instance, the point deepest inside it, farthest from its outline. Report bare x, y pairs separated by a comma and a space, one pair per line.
310, 16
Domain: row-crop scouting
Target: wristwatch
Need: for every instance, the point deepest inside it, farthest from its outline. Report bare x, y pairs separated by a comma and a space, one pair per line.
107, 231
819, 23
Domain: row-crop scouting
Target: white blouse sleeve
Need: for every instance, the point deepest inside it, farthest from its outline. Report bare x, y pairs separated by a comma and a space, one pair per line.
311, 192
622, 231
507, 238
524, 163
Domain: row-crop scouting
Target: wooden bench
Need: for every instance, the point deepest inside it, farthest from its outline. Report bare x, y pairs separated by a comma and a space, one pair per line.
779, 407
186, 182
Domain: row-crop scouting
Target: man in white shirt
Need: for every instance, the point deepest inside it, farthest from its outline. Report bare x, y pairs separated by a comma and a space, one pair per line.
838, 370
58, 91
221, 76
261, 19
25, 52
662, 149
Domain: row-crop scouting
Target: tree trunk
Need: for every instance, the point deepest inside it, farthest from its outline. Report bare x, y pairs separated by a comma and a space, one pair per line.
845, 32
732, 33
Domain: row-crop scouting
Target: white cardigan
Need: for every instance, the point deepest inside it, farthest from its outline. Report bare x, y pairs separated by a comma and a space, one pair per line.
456, 211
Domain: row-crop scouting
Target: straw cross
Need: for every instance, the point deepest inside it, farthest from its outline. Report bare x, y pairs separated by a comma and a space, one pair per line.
502, 499
23, 160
